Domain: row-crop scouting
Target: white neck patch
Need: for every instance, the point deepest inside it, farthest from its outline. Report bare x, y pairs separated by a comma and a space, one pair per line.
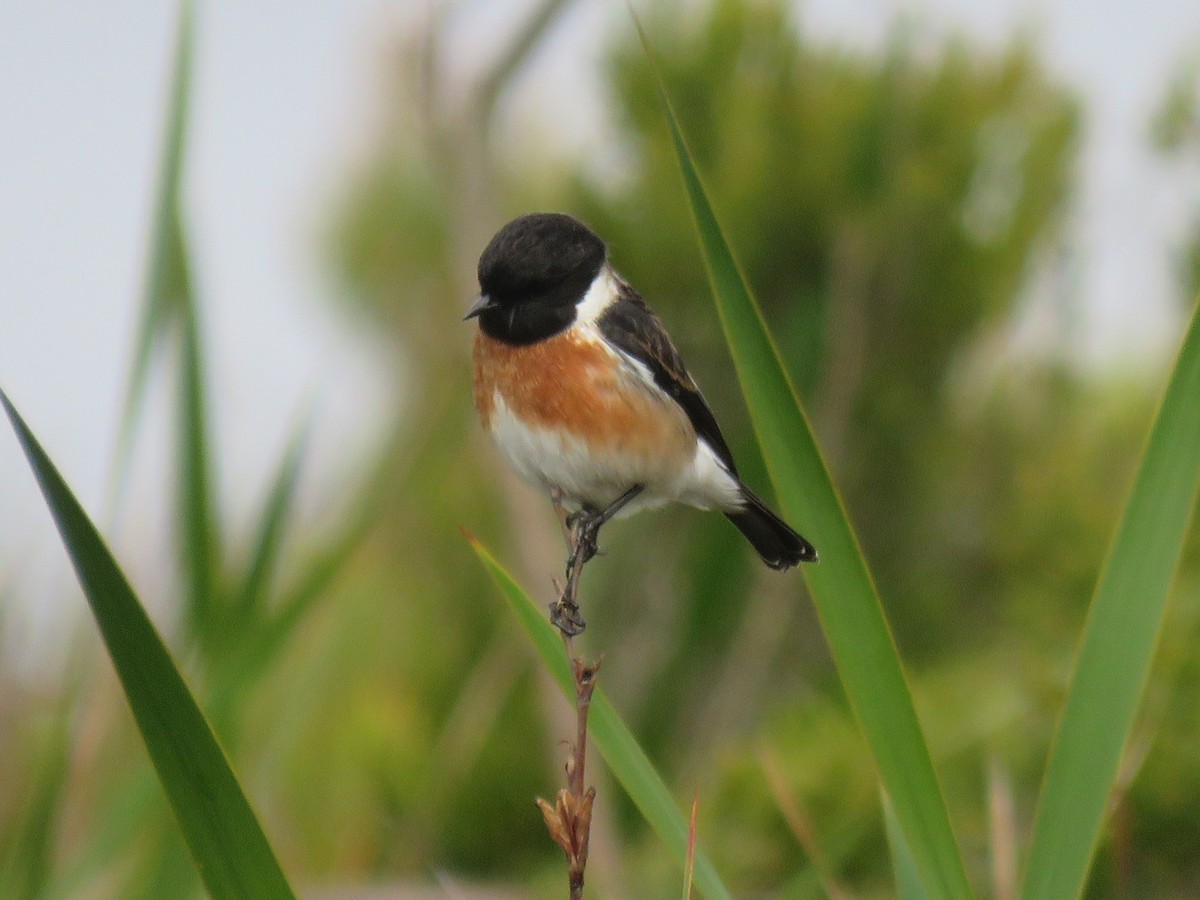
599, 297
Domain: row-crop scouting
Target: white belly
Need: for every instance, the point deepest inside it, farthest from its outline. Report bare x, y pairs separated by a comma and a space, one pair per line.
551, 460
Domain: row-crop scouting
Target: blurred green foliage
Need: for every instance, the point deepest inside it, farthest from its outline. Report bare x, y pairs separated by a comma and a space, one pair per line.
1176, 132
885, 211
889, 211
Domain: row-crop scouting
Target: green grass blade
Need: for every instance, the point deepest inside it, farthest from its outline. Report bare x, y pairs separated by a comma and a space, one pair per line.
325, 567
129, 800
28, 864
904, 867
841, 585
610, 735
252, 657
271, 526
165, 873
166, 275
197, 522
262, 634
225, 839
168, 308
1123, 625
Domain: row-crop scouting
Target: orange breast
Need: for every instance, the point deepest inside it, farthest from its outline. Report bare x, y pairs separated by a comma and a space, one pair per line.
575, 383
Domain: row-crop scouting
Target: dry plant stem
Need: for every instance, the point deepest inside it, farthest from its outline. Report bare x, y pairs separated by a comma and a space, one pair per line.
585, 682
569, 820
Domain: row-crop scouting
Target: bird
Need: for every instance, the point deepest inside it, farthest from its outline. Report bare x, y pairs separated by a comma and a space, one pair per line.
582, 390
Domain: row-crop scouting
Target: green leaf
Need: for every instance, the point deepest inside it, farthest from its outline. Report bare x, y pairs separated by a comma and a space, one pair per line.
129, 800
1122, 629
841, 585
168, 309
610, 735
325, 566
28, 864
271, 526
165, 873
904, 867
167, 276
226, 842
197, 521
248, 650
247, 659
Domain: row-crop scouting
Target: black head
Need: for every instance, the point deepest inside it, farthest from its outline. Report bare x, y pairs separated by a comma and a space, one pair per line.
533, 273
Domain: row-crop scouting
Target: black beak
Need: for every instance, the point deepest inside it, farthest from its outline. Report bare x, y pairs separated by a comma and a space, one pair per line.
482, 302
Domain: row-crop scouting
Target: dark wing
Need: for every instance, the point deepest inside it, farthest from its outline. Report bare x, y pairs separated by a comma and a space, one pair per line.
632, 327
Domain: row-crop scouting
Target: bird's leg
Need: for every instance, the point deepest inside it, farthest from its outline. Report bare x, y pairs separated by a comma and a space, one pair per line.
585, 528
564, 519
564, 612
588, 526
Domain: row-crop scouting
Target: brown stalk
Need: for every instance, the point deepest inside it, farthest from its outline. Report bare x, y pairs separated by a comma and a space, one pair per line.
569, 820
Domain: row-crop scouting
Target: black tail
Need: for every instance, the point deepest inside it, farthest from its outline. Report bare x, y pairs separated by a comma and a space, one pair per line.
776, 542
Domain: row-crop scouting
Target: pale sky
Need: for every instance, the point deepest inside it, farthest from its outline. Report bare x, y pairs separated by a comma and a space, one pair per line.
286, 96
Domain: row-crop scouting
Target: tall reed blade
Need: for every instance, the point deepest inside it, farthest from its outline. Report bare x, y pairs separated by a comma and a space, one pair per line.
167, 269
271, 529
227, 845
1123, 625
840, 584
904, 868
195, 510
28, 864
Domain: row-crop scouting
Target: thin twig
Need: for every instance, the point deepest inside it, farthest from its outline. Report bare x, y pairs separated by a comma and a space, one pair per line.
569, 820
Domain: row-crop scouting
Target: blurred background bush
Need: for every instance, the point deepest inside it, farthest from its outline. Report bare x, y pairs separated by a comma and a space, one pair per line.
895, 211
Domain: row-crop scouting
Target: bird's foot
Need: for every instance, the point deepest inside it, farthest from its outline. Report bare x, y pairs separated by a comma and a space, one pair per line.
587, 537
